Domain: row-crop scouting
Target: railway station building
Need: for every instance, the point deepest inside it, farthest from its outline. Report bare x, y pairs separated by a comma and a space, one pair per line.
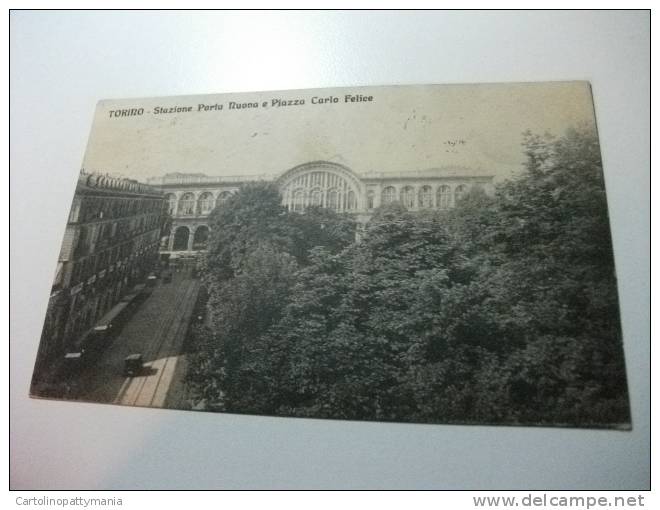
192, 196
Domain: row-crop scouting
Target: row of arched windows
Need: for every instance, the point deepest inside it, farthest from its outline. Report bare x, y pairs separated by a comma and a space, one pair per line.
181, 238
331, 199
423, 199
187, 205
335, 199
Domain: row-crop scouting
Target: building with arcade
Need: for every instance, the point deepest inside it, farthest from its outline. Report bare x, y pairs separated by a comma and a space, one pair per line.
192, 196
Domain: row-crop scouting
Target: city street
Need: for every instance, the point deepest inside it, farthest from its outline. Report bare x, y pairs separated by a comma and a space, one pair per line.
157, 331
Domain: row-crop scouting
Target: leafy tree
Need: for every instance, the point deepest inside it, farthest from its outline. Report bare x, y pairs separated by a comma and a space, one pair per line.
255, 248
252, 216
240, 310
545, 274
255, 215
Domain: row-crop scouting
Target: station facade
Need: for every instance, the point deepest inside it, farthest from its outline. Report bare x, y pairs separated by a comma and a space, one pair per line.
192, 197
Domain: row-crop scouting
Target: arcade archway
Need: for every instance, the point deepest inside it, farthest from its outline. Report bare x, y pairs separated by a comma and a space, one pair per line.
181, 236
201, 238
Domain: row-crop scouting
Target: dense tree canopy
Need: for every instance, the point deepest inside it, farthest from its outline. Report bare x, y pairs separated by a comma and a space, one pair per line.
502, 310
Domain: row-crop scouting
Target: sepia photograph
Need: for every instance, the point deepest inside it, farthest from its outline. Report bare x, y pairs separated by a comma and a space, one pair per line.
430, 254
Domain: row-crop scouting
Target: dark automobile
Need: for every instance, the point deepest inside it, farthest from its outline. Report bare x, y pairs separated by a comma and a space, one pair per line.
132, 365
152, 280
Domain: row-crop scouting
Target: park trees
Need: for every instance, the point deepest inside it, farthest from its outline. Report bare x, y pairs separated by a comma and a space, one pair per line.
502, 310
255, 250
545, 270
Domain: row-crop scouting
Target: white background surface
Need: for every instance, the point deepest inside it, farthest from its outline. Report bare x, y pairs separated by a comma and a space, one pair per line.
62, 63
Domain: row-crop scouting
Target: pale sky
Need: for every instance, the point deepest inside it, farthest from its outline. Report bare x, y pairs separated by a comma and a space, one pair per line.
404, 128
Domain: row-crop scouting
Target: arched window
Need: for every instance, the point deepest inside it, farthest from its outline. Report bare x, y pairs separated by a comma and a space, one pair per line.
388, 195
444, 197
426, 197
408, 197
205, 203
299, 200
324, 185
351, 202
222, 197
181, 236
333, 200
459, 193
187, 204
316, 198
370, 200
201, 237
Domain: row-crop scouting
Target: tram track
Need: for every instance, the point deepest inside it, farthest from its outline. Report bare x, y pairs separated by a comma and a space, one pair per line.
160, 392
133, 397
143, 390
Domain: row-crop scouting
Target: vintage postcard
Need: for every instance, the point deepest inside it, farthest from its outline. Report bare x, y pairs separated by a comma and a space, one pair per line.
431, 254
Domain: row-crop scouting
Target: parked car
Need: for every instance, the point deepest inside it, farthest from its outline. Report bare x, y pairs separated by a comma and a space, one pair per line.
132, 365
152, 279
